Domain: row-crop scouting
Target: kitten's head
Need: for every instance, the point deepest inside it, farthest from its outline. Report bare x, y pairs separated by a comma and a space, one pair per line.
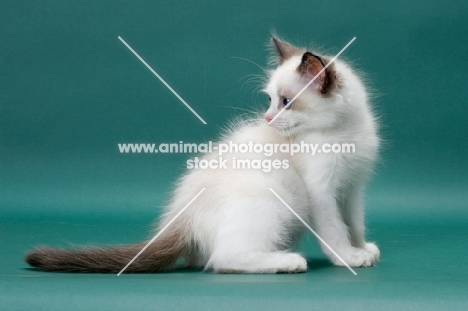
318, 107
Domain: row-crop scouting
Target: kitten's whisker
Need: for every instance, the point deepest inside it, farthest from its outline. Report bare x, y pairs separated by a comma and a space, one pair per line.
254, 80
238, 108
249, 61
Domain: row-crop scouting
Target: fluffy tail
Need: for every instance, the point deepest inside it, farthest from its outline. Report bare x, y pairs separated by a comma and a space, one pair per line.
160, 256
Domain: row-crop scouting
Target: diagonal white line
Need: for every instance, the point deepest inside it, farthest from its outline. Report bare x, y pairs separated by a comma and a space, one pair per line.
160, 232
162, 80
312, 230
313, 79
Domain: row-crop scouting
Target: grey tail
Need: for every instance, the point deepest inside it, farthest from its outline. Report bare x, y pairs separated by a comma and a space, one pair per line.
160, 256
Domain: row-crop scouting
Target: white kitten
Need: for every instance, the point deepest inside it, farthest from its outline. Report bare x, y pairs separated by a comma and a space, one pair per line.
237, 225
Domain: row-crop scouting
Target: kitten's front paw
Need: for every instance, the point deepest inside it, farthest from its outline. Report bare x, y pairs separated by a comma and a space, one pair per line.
355, 257
374, 250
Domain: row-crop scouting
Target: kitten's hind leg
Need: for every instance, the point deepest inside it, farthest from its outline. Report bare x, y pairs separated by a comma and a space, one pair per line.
253, 235
257, 262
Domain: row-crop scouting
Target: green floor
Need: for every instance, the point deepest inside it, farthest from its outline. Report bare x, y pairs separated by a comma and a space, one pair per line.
424, 267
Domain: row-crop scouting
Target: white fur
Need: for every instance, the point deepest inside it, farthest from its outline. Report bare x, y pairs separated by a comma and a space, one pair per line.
238, 225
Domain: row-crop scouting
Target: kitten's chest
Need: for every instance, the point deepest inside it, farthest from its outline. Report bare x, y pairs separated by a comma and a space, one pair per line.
332, 160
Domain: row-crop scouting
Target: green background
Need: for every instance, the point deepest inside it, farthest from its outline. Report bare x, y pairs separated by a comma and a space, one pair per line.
70, 91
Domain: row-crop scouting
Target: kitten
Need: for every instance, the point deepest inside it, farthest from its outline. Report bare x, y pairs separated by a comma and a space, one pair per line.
237, 225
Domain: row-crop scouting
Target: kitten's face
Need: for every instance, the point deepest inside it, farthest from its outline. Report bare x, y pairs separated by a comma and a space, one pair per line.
316, 107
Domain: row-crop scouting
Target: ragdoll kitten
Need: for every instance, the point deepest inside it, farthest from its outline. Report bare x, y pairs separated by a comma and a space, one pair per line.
237, 225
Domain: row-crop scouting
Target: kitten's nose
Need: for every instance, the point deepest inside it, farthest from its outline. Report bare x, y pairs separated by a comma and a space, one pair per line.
268, 117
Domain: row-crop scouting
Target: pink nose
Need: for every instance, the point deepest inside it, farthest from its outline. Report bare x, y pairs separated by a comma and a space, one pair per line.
268, 118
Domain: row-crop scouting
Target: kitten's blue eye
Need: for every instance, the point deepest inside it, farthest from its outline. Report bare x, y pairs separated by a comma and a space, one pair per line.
286, 101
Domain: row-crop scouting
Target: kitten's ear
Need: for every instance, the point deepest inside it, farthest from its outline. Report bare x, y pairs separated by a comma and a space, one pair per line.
311, 65
283, 49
